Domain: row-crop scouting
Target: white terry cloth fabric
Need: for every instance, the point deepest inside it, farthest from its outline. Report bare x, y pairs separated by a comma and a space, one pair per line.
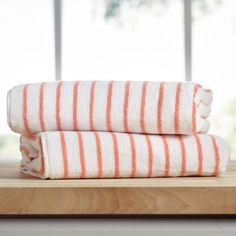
135, 107
71, 154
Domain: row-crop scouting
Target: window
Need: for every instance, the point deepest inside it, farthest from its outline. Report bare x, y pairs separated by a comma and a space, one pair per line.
119, 40
122, 40
214, 56
26, 54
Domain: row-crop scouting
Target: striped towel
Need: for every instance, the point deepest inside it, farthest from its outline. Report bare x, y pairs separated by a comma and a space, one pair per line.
72, 154
136, 107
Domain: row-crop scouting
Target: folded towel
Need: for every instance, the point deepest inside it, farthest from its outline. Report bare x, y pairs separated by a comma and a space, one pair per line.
136, 107
74, 154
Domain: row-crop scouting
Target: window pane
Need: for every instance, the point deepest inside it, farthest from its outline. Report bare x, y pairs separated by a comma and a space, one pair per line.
123, 40
26, 54
214, 57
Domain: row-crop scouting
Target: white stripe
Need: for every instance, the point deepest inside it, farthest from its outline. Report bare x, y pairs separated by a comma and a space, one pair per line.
118, 94
135, 94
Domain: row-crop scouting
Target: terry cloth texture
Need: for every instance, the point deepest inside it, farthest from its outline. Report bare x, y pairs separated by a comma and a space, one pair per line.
71, 154
131, 107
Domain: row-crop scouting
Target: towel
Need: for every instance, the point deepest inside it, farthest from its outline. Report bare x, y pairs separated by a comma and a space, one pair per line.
71, 154
135, 107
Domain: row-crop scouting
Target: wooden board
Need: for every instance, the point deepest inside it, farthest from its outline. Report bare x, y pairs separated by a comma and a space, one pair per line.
23, 195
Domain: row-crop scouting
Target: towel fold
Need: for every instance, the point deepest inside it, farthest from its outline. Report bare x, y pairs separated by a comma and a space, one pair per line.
71, 154
136, 107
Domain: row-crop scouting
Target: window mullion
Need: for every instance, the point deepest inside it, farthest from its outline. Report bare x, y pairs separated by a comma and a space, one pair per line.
57, 38
188, 39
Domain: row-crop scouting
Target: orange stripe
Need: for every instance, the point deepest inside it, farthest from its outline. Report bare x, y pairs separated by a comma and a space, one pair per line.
177, 102
26, 151
99, 154
41, 108
30, 137
183, 155
116, 154
75, 106
35, 171
81, 154
25, 108
64, 154
143, 102
159, 108
126, 105
194, 125
200, 156
167, 155
91, 105
217, 156
58, 98
109, 103
42, 168
133, 154
150, 155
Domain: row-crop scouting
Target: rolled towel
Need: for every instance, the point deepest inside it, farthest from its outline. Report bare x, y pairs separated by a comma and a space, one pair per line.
71, 154
136, 107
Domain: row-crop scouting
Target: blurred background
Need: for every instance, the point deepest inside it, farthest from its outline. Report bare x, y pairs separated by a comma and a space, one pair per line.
168, 40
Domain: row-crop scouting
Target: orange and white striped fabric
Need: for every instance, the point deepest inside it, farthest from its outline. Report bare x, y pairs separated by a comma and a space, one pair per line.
134, 107
71, 154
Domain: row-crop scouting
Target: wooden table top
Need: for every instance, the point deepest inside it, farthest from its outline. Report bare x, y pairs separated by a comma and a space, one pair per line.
22, 194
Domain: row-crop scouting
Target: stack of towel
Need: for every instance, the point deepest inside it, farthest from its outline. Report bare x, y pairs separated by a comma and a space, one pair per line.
92, 129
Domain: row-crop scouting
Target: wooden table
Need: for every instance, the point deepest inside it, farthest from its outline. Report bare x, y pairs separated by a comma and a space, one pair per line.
23, 195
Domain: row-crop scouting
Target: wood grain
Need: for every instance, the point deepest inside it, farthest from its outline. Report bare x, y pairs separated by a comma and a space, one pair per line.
22, 195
